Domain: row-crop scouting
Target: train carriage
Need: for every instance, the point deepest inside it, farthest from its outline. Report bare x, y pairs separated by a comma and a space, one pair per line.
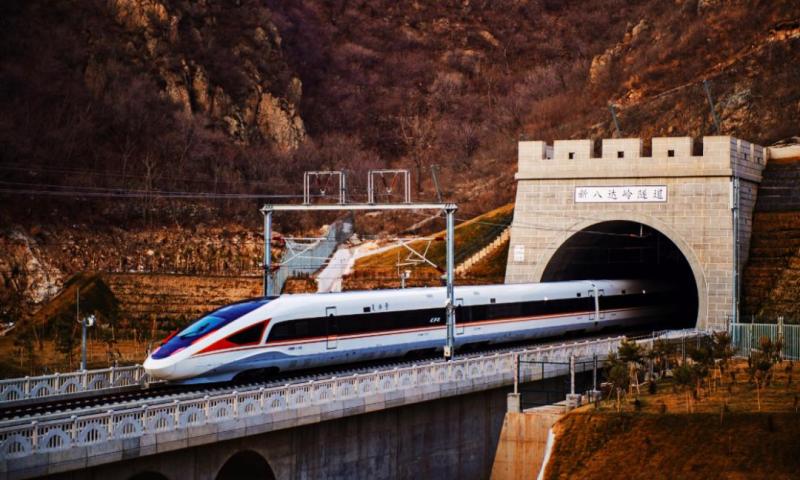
301, 331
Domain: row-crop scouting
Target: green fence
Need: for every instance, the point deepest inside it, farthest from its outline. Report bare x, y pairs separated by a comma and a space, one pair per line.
745, 337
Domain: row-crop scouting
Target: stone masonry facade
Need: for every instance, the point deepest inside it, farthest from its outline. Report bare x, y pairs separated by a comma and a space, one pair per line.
696, 215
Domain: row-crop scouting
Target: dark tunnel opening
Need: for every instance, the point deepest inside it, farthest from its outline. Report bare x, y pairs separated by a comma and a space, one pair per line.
623, 249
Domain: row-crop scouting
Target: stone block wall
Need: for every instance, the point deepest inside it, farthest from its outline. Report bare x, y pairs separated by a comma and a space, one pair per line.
696, 217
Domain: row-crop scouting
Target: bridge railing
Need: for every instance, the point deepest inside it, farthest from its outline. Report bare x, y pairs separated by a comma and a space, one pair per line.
57, 384
21, 440
429, 380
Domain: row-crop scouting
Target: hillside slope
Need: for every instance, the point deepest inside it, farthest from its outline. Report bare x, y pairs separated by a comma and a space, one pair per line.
477, 75
771, 280
745, 446
172, 95
140, 95
380, 269
112, 111
727, 435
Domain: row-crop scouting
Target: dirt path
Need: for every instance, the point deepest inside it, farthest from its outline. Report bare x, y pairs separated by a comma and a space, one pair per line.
342, 262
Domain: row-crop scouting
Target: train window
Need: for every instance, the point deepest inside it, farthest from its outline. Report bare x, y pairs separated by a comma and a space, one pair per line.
634, 300
492, 300
219, 318
367, 309
208, 323
249, 335
281, 331
300, 328
463, 314
579, 294
504, 310
477, 313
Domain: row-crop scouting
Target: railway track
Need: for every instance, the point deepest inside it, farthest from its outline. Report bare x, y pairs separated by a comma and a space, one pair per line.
164, 393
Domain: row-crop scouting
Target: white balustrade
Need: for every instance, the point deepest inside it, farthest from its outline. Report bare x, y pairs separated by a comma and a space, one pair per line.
43, 436
17, 389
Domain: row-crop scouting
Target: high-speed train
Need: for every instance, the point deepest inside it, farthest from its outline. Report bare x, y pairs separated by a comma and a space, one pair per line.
292, 332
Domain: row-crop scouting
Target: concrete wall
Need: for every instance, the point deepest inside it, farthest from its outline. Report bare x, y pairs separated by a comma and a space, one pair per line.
523, 441
696, 217
449, 438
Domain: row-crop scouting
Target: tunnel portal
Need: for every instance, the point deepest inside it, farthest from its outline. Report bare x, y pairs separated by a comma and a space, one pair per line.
668, 208
624, 249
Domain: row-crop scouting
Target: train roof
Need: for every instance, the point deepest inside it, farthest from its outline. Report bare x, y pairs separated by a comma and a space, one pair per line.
535, 290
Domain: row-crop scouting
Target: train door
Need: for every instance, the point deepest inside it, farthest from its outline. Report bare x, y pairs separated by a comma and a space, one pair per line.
460, 320
331, 324
600, 294
598, 313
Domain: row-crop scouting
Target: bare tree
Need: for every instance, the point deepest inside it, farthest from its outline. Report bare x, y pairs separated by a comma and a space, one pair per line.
418, 135
150, 166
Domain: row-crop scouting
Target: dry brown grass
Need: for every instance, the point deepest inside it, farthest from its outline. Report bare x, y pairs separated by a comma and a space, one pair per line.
725, 436
300, 285
734, 390
380, 270
14, 361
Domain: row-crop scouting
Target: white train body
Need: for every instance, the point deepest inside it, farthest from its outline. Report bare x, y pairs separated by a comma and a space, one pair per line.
302, 331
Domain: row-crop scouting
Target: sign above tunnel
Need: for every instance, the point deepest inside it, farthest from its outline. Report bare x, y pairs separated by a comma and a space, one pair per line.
621, 194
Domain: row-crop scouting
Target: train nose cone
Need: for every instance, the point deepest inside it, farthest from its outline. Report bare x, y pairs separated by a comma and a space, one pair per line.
159, 369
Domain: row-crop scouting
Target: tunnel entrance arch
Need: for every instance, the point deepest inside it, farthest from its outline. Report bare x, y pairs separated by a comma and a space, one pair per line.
246, 465
617, 249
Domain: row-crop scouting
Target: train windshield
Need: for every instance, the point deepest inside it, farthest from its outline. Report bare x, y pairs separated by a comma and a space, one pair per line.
210, 322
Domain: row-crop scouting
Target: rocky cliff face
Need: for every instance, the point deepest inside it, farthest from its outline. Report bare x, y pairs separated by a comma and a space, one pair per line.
745, 50
206, 64
143, 95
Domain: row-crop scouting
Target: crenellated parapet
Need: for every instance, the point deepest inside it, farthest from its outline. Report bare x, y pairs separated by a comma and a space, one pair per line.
615, 157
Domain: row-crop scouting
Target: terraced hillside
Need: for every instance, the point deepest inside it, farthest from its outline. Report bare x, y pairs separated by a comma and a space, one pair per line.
771, 280
380, 270
133, 311
172, 300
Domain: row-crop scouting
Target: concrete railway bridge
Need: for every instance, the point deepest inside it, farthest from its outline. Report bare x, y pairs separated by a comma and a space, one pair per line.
440, 419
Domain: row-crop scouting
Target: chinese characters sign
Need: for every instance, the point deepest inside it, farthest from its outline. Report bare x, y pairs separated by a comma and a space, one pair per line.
621, 194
